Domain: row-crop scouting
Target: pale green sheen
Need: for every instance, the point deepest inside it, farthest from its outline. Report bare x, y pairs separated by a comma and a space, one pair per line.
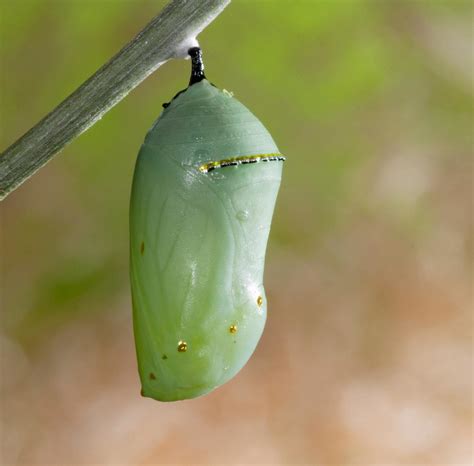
204, 237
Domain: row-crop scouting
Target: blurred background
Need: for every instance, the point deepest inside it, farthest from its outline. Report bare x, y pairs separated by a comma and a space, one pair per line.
366, 358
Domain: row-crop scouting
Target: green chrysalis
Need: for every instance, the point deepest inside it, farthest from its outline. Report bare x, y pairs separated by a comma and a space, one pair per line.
200, 214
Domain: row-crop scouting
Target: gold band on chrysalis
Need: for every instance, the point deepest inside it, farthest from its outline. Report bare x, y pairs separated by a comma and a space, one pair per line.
235, 161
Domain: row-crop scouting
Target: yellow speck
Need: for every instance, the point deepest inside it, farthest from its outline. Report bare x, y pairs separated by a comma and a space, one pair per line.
259, 301
233, 329
182, 346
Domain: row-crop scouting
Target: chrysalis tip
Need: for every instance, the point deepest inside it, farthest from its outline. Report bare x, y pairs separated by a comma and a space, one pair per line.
197, 65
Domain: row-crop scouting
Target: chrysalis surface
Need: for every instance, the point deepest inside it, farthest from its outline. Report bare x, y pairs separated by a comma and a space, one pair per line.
204, 190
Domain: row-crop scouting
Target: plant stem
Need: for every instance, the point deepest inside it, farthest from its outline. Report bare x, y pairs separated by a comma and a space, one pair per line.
165, 37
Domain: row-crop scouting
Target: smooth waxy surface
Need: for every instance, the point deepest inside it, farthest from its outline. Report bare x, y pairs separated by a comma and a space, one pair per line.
198, 243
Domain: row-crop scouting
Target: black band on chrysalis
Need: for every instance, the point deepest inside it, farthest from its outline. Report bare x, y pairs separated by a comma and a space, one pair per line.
197, 66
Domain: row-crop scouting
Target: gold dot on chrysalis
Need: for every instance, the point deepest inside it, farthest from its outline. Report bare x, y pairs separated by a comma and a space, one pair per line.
142, 248
259, 301
152, 376
233, 329
182, 346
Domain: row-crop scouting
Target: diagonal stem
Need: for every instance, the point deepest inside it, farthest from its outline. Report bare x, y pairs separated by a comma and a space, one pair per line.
168, 35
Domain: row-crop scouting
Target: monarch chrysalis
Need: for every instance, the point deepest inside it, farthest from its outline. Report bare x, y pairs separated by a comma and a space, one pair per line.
201, 207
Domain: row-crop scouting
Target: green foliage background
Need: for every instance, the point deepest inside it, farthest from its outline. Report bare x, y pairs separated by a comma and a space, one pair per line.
371, 102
